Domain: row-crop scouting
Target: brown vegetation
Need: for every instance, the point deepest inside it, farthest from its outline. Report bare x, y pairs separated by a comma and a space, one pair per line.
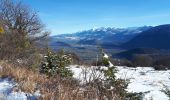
53, 88
142, 61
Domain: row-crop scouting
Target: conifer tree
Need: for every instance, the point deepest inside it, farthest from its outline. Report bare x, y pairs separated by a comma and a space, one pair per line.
56, 64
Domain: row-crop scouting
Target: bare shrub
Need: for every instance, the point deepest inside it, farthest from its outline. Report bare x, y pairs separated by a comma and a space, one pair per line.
162, 64
142, 60
121, 62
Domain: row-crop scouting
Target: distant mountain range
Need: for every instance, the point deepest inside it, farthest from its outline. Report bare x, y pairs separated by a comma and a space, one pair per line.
102, 35
119, 42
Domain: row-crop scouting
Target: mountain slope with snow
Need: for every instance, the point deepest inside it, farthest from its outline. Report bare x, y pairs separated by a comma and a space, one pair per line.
102, 35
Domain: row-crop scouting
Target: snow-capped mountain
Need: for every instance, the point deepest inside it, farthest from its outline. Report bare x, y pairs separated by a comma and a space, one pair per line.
102, 35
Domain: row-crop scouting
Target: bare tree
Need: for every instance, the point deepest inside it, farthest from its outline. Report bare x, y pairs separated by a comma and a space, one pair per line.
21, 19
22, 28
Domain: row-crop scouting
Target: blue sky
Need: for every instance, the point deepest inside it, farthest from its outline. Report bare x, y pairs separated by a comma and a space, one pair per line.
68, 16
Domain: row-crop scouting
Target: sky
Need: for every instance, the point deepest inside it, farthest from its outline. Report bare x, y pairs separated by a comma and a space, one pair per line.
69, 16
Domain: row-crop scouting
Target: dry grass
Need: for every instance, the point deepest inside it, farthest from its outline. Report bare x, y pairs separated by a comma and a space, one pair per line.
30, 81
26, 78
50, 88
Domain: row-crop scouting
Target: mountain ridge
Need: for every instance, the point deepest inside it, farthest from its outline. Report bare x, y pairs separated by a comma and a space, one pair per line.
157, 37
104, 35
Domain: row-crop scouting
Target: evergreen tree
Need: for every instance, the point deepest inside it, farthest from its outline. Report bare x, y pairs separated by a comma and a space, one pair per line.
110, 82
56, 64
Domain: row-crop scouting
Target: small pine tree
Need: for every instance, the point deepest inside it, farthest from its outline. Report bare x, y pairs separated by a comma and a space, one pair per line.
118, 86
55, 64
110, 81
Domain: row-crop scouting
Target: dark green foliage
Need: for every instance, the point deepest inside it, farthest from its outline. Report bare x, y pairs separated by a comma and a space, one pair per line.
105, 62
134, 96
117, 86
110, 77
167, 91
55, 64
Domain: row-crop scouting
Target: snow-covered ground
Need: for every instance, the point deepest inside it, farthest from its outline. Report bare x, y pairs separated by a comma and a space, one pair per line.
142, 79
146, 79
7, 91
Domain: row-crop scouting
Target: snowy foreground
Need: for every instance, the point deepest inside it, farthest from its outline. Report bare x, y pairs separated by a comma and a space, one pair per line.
8, 92
142, 79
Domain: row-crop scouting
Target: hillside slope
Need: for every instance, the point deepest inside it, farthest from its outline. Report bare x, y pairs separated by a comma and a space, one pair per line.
156, 37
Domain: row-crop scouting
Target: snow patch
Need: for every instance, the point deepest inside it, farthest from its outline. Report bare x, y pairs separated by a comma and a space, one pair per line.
7, 91
142, 79
146, 79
